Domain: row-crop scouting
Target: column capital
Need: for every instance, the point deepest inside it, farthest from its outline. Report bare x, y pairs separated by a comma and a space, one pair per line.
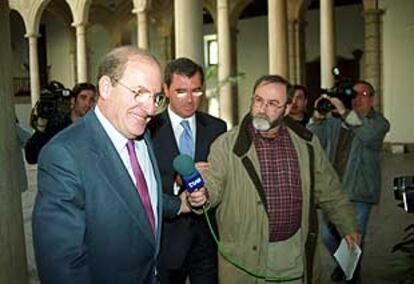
79, 24
378, 12
140, 6
223, 4
32, 35
372, 17
373, 11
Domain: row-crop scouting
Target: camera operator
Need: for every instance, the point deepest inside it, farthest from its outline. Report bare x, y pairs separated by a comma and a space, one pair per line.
50, 117
353, 141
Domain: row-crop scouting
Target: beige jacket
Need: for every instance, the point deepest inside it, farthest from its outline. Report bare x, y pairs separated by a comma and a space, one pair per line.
234, 186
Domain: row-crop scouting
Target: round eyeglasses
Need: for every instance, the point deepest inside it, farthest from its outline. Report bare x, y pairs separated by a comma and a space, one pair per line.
272, 104
142, 94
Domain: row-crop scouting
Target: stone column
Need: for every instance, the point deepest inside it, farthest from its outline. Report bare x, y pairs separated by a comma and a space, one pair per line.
233, 71
372, 56
142, 28
224, 61
188, 22
72, 59
292, 51
300, 51
278, 50
327, 42
34, 68
166, 43
13, 264
81, 52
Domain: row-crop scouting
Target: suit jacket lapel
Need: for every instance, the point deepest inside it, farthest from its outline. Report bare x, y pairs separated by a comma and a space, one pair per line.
114, 175
159, 185
202, 144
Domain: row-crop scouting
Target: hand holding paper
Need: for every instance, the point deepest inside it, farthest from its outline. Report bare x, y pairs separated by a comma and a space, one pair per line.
348, 258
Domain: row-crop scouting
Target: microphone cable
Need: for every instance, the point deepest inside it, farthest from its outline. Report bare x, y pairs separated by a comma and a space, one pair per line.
227, 257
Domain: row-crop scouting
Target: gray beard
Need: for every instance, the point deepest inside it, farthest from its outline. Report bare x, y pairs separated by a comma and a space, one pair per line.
262, 124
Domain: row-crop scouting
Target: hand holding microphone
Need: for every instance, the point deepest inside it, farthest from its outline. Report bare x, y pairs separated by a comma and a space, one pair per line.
192, 180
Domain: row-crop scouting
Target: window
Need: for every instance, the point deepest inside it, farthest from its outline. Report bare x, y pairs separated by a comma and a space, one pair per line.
210, 50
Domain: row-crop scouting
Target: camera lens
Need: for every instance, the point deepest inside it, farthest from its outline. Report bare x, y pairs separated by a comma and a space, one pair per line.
324, 106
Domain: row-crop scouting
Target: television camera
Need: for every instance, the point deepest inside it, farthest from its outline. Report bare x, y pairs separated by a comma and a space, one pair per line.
342, 89
53, 105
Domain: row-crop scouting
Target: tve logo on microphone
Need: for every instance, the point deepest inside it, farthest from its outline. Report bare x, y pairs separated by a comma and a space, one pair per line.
185, 166
193, 182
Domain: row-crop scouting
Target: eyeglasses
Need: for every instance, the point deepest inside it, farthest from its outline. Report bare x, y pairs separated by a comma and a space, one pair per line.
272, 104
364, 94
142, 94
181, 94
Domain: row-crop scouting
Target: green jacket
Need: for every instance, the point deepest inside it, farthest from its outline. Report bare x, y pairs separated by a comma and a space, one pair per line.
234, 186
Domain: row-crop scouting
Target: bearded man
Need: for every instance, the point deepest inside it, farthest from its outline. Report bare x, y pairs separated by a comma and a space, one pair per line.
266, 178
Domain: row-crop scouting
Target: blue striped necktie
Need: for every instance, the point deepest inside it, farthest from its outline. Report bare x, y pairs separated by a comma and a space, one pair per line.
186, 143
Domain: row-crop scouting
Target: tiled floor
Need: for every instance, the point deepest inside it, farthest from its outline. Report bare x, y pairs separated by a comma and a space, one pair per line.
386, 225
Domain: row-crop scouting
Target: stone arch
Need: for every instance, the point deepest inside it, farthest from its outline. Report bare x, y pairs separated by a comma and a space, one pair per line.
57, 56
80, 10
34, 16
237, 9
19, 70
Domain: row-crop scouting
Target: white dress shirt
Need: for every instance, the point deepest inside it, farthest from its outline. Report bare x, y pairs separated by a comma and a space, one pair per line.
178, 130
176, 126
119, 141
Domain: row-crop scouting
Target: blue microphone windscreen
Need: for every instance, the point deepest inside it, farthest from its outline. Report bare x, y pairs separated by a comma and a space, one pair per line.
184, 165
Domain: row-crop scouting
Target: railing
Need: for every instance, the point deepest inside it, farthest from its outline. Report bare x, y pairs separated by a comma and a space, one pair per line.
21, 86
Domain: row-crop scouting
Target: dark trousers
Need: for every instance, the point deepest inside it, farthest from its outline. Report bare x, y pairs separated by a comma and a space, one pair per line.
195, 258
200, 267
331, 237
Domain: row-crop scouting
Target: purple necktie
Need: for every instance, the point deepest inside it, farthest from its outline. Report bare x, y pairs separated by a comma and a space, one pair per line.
141, 184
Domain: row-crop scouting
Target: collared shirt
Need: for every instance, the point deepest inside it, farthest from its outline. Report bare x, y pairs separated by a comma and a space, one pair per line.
343, 150
176, 126
178, 130
279, 167
119, 141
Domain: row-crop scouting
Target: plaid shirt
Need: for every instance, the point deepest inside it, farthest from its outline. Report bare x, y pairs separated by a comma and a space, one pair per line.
281, 183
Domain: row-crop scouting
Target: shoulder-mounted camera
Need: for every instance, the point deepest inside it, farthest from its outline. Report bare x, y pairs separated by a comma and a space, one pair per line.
53, 105
342, 89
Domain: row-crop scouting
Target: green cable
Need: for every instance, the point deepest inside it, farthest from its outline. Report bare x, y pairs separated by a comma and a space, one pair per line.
226, 256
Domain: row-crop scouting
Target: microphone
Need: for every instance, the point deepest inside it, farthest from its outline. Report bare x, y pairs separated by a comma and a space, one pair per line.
192, 179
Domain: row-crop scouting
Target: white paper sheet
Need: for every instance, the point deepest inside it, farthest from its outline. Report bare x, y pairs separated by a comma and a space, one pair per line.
347, 258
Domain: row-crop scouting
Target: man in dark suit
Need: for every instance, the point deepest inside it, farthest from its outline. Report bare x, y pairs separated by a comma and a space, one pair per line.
97, 215
187, 248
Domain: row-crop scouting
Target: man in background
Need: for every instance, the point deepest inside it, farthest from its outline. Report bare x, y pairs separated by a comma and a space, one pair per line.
352, 139
82, 99
299, 104
187, 249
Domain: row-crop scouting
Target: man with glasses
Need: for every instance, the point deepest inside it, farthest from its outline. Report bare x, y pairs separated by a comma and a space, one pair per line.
98, 213
187, 248
353, 141
266, 177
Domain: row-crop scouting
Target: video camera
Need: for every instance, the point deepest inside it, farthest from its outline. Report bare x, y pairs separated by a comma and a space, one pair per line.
53, 105
342, 89
404, 191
